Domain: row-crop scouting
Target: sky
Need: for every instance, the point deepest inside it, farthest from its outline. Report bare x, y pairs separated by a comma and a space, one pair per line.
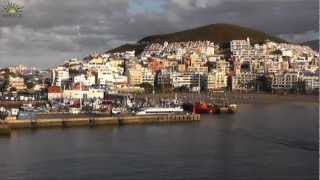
51, 31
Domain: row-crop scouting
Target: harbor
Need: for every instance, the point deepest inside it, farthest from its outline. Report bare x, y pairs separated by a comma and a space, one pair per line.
114, 109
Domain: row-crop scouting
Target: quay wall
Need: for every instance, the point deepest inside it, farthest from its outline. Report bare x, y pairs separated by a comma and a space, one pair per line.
13, 123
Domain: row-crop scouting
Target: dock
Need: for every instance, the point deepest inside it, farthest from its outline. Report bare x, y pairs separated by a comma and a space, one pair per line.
4, 129
73, 121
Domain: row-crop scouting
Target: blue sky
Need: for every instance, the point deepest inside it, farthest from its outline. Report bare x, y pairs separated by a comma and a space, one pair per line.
143, 6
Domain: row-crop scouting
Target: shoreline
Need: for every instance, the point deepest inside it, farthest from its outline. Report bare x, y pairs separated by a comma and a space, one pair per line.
218, 97
237, 98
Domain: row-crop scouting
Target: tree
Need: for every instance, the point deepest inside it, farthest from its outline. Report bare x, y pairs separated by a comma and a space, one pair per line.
276, 52
30, 85
148, 88
12, 89
182, 89
3, 84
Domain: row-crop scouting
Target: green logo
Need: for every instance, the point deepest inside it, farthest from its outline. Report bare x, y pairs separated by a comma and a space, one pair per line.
11, 9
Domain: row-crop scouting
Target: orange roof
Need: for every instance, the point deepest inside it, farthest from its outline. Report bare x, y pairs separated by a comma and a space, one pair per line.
54, 89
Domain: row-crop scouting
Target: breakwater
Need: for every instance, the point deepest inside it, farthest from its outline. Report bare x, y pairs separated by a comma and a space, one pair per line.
72, 121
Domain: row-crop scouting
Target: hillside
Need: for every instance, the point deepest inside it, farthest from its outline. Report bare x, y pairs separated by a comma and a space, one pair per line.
125, 47
219, 33
314, 44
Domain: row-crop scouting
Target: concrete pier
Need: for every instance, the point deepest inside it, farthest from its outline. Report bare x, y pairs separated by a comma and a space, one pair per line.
13, 123
4, 129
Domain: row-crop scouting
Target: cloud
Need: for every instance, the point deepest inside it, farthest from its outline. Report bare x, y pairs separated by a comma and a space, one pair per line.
301, 37
51, 31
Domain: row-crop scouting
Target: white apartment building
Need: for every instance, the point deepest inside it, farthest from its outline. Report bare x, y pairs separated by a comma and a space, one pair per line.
17, 83
244, 81
223, 66
59, 74
311, 82
215, 80
148, 76
96, 63
93, 93
110, 79
86, 80
104, 76
135, 74
286, 81
240, 45
185, 79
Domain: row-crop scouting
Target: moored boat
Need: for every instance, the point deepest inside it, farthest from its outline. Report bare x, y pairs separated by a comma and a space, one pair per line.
200, 108
205, 108
160, 110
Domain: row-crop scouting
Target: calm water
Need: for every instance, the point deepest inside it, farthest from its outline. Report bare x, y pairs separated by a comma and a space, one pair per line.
260, 142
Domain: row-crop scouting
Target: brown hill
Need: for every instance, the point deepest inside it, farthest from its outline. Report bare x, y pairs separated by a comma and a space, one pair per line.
219, 33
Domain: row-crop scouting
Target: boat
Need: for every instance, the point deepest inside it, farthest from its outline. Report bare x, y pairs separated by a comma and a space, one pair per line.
201, 108
205, 108
231, 108
74, 110
117, 110
160, 110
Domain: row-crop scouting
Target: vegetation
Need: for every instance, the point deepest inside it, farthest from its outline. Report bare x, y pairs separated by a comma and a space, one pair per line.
148, 88
276, 52
128, 47
182, 89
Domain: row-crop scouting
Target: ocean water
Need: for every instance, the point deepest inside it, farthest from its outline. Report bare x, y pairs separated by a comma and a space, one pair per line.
261, 141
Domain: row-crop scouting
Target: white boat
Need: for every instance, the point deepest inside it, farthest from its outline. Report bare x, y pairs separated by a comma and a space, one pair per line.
118, 110
160, 110
74, 110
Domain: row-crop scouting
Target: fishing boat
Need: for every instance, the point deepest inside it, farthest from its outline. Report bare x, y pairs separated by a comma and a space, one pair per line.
200, 108
205, 108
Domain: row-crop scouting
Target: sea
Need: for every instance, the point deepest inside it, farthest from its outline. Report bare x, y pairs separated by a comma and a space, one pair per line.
260, 142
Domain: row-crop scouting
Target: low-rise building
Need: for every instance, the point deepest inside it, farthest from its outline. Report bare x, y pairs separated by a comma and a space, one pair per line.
59, 75
55, 92
311, 82
135, 74
16, 82
215, 80
244, 81
190, 79
285, 81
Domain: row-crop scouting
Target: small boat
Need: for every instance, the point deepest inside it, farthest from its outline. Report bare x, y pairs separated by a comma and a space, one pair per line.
74, 110
205, 108
201, 108
118, 110
160, 110
232, 108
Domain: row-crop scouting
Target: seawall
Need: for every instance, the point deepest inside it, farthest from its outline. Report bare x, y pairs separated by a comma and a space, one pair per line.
13, 123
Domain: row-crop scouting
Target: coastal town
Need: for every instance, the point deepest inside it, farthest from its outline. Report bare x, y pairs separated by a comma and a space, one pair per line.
159, 89
108, 82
